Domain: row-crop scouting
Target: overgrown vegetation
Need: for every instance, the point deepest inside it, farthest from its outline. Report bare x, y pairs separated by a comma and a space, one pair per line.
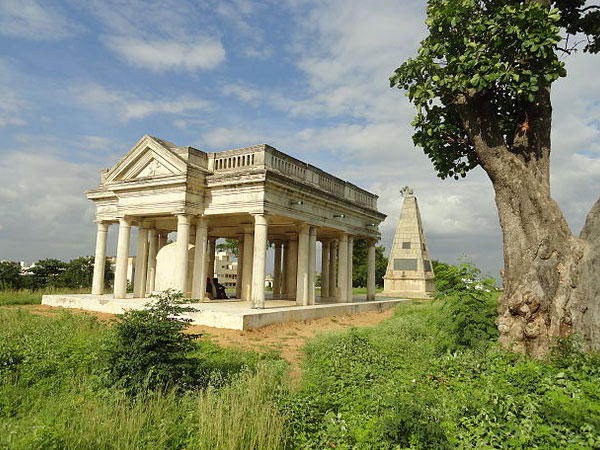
469, 309
431, 377
394, 386
55, 392
149, 348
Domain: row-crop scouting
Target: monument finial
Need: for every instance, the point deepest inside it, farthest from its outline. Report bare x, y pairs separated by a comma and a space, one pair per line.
406, 191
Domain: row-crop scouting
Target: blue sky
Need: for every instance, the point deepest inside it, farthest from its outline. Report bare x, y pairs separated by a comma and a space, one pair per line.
81, 82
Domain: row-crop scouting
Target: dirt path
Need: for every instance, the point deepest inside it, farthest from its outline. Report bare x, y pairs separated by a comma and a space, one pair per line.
286, 339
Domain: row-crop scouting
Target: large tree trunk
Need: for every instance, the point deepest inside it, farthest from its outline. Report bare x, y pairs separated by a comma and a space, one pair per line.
551, 278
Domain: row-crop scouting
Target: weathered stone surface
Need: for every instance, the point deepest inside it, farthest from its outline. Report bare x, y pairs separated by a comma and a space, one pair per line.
255, 193
409, 272
166, 268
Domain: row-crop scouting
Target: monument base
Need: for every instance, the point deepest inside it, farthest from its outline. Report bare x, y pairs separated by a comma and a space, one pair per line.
407, 294
408, 287
233, 313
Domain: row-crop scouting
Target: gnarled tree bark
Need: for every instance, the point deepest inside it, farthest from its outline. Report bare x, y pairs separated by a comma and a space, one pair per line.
551, 277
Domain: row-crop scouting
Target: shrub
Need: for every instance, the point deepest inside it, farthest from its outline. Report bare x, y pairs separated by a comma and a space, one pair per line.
469, 309
149, 348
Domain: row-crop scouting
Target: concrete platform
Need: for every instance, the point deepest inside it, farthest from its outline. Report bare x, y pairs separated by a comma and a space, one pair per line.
232, 313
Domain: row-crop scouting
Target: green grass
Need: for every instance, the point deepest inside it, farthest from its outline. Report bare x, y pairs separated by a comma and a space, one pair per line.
363, 290
53, 394
391, 386
29, 297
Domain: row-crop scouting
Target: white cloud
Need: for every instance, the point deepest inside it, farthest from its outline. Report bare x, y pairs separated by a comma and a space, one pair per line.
170, 35
241, 15
98, 142
43, 209
128, 107
11, 108
241, 91
348, 49
219, 138
168, 54
34, 20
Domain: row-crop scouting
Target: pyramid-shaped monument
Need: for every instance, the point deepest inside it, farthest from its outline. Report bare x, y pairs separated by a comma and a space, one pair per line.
409, 271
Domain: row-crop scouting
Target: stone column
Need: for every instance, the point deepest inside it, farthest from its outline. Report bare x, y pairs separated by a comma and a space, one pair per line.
277, 270
261, 227
152, 252
292, 268
284, 268
120, 290
342, 291
100, 258
247, 270
302, 278
141, 262
371, 270
199, 276
240, 265
181, 260
212, 244
333, 269
312, 264
350, 253
162, 238
325, 253
350, 260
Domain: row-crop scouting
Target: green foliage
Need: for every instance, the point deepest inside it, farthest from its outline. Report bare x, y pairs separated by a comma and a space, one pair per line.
359, 264
79, 273
388, 387
577, 17
149, 348
53, 395
469, 305
504, 52
38, 353
46, 273
33, 297
10, 275
229, 245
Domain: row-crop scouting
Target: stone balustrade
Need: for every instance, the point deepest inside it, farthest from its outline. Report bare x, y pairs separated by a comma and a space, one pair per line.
267, 157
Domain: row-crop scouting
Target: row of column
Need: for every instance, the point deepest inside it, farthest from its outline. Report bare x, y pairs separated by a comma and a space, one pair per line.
294, 265
294, 268
150, 241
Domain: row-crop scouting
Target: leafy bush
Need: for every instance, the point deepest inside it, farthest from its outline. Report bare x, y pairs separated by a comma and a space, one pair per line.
149, 348
469, 307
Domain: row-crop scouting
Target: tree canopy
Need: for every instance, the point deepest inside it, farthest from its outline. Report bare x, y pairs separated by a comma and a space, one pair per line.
359, 264
506, 51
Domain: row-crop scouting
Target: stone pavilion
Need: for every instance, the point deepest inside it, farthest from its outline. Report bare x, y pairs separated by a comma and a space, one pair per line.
256, 195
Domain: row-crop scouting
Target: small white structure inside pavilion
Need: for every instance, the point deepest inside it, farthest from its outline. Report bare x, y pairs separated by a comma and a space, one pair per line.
255, 194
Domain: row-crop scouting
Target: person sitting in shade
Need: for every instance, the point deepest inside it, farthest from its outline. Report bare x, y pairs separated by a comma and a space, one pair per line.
220, 289
211, 290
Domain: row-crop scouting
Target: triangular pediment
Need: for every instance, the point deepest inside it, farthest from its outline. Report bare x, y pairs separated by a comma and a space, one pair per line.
153, 169
148, 158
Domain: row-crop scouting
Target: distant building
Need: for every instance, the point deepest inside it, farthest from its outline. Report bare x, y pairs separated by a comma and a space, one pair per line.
226, 269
